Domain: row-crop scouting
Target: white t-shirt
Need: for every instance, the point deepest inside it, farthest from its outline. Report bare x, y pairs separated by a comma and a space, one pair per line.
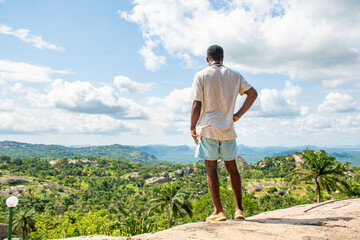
217, 88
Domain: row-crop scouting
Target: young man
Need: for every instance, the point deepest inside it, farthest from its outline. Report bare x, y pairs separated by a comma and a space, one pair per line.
214, 92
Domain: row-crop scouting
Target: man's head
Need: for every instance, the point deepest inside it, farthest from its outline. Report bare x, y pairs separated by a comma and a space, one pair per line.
215, 53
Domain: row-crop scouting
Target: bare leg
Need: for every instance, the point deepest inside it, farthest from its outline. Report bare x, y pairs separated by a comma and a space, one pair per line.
235, 181
213, 184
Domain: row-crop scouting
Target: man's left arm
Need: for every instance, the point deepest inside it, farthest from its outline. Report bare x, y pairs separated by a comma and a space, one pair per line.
250, 99
195, 115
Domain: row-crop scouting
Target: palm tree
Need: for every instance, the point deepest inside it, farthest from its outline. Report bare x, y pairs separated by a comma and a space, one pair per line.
172, 199
134, 225
354, 189
323, 170
25, 222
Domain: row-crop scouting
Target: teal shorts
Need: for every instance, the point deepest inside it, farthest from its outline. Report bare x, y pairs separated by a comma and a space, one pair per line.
211, 149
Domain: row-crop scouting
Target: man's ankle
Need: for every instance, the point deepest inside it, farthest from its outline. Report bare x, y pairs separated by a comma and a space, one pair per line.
217, 211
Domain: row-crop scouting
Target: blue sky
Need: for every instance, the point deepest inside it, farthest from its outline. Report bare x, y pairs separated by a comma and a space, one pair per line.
104, 72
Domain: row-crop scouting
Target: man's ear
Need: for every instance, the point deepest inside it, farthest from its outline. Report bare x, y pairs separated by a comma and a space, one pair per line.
207, 59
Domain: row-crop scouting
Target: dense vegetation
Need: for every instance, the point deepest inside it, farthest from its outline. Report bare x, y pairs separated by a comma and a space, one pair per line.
77, 196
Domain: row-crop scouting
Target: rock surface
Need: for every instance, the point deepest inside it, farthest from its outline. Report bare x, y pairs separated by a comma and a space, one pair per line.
336, 219
241, 161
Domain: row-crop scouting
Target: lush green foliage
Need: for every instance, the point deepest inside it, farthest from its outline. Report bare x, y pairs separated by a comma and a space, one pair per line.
83, 196
173, 200
25, 222
278, 166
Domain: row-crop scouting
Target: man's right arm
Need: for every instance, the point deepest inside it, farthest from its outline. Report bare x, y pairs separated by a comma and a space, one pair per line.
250, 99
195, 114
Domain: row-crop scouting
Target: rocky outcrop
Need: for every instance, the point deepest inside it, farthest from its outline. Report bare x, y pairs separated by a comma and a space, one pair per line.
241, 161
280, 192
335, 220
163, 178
258, 189
299, 160
40, 184
134, 175
183, 171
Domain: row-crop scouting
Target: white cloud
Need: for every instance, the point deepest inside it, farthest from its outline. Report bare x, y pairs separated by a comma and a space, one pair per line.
20, 71
23, 34
291, 91
275, 103
349, 121
316, 129
300, 128
20, 120
92, 124
246, 127
124, 84
178, 101
317, 121
7, 105
307, 40
338, 102
61, 106
152, 61
24, 121
83, 97
172, 113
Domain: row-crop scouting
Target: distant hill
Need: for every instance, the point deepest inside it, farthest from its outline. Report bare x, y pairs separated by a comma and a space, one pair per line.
156, 154
12, 145
185, 154
245, 149
116, 151
342, 155
161, 149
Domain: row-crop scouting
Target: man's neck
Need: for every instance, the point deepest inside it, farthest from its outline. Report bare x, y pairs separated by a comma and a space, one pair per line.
213, 62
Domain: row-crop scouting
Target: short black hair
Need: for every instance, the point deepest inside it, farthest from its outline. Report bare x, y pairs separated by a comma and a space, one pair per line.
215, 52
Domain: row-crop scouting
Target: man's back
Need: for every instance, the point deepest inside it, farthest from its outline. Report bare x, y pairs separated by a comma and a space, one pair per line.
217, 88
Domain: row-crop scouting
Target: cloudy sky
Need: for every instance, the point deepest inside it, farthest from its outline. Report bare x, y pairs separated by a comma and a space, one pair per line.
104, 72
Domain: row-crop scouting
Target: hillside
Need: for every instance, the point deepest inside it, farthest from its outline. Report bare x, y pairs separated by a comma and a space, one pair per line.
115, 151
335, 219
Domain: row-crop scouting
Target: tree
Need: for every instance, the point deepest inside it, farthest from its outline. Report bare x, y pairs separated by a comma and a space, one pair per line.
172, 199
134, 225
323, 170
25, 222
5, 159
354, 189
